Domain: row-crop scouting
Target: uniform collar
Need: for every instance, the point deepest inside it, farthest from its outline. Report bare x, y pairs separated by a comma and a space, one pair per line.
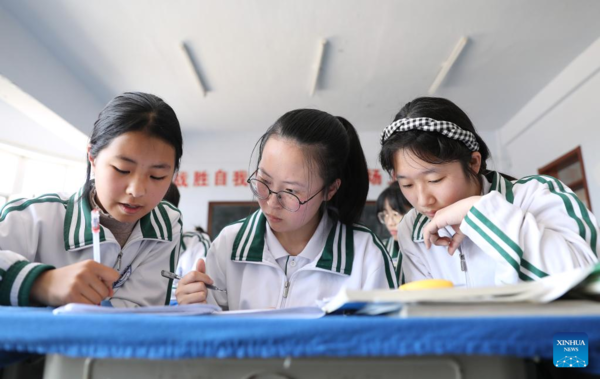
492, 181
336, 256
156, 225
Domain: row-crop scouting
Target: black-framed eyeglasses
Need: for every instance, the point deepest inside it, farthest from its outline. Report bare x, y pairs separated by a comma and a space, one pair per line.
394, 216
287, 200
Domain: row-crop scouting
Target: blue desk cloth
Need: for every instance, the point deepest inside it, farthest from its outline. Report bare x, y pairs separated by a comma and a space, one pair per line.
29, 330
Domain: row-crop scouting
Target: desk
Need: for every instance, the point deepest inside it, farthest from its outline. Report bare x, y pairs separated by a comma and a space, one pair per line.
70, 339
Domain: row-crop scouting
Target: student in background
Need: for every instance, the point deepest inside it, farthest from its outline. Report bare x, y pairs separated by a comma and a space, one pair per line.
473, 226
46, 242
303, 245
194, 244
391, 207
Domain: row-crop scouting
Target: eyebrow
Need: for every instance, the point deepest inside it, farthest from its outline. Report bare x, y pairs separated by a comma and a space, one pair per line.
160, 166
285, 182
426, 172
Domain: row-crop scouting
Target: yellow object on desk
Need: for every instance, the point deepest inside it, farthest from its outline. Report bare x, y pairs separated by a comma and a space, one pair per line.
426, 284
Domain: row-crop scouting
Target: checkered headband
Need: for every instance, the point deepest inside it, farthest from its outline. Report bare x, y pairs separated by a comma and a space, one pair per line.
425, 124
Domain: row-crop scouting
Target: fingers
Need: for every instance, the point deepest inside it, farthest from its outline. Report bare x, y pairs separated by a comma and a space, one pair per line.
201, 265
195, 276
88, 295
107, 274
191, 293
102, 288
455, 242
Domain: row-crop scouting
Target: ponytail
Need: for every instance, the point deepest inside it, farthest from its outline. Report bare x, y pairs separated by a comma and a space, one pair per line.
351, 196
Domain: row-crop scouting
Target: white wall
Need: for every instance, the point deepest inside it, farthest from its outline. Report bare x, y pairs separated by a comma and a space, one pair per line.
558, 119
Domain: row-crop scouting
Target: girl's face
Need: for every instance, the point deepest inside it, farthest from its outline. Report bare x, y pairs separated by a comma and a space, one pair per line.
430, 187
283, 167
392, 219
132, 174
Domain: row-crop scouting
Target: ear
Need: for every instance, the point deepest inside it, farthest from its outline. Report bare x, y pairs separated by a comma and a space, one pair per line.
92, 161
332, 189
475, 163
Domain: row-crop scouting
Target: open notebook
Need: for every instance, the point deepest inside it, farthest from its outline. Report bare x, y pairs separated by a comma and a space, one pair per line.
583, 280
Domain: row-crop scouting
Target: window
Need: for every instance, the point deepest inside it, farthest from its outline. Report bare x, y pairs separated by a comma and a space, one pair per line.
569, 170
26, 174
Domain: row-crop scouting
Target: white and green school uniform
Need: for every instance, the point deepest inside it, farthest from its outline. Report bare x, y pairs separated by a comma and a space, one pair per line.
54, 230
520, 230
248, 261
195, 246
393, 250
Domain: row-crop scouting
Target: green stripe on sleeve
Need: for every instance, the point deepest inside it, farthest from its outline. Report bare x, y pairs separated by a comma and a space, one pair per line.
506, 239
550, 181
25, 290
498, 248
8, 280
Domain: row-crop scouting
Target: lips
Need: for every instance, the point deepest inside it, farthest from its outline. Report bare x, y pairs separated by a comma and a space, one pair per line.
273, 218
430, 214
130, 208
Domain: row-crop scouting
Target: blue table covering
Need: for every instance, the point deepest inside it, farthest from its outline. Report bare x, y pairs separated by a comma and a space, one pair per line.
31, 330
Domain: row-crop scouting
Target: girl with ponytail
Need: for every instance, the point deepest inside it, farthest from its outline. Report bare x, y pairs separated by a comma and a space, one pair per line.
303, 245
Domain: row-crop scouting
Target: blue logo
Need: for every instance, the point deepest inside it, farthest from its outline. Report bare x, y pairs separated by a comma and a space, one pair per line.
570, 350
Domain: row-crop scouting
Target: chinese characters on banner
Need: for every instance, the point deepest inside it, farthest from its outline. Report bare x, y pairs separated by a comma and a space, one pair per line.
238, 178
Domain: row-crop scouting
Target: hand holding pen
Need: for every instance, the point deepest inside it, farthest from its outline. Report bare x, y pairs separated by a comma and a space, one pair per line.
192, 288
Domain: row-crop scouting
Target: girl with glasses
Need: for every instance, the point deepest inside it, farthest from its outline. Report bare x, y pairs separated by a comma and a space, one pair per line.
391, 207
303, 245
473, 226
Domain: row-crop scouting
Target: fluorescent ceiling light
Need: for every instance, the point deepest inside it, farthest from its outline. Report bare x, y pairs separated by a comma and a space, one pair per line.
42, 115
193, 66
317, 72
448, 64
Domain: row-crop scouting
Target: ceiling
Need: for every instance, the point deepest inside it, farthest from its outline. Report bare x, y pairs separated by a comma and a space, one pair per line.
258, 57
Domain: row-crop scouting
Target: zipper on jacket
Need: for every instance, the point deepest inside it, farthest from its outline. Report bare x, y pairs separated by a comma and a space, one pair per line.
286, 288
463, 268
117, 265
463, 262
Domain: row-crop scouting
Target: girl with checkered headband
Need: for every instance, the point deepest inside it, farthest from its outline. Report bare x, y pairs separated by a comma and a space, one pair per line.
46, 244
504, 230
303, 245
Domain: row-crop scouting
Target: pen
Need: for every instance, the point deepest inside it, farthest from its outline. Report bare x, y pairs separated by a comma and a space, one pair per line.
172, 275
96, 234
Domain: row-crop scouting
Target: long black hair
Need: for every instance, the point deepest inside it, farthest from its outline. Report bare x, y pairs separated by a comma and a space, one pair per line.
332, 145
130, 112
434, 147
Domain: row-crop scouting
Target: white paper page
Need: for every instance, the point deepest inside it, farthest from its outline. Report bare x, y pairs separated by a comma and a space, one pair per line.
179, 310
291, 313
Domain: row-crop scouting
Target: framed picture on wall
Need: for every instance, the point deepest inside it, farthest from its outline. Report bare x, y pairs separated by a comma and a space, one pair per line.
569, 169
223, 213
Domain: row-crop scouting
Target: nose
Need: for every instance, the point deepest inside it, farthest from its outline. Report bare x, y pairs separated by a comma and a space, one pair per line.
390, 222
426, 198
136, 187
272, 201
